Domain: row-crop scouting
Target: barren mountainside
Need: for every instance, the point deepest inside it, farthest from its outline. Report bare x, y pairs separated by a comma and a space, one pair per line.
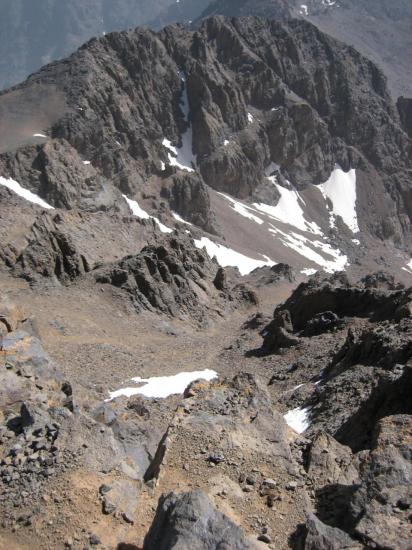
205, 293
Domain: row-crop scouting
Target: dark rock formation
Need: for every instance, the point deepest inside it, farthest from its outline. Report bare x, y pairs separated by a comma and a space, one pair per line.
374, 297
175, 278
190, 521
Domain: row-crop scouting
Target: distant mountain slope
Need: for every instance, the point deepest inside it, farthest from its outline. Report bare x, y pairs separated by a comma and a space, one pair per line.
380, 29
35, 32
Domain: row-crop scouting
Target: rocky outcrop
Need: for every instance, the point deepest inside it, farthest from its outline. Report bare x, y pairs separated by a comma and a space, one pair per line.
190, 521
380, 508
175, 278
50, 252
321, 304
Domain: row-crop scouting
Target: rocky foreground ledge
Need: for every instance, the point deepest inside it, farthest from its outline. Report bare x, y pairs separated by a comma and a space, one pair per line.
248, 461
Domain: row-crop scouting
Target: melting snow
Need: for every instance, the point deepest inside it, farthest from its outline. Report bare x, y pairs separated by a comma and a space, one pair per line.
298, 419
183, 157
140, 213
180, 219
408, 269
288, 209
340, 189
302, 246
24, 193
242, 209
308, 271
228, 257
40, 136
163, 386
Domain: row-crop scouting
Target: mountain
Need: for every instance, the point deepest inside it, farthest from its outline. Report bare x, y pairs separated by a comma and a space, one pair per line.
32, 35
380, 30
192, 122
206, 302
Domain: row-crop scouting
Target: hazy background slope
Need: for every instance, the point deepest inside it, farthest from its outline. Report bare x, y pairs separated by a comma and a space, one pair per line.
33, 33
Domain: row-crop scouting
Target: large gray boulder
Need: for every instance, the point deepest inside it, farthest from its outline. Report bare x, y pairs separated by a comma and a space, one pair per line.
188, 521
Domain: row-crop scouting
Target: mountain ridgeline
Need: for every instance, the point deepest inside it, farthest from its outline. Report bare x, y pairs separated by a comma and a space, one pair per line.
245, 92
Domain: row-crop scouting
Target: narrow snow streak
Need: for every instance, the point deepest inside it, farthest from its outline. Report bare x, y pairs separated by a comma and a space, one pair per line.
40, 136
298, 419
24, 193
308, 271
140, 213
183, 156
228, 257
242, 209
340, 189
180, 219
163, 386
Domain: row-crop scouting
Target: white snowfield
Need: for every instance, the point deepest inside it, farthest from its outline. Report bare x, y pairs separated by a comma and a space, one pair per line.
163, 386
298, 419
229, 257
142, 214
24, 193
288, 209
340, 189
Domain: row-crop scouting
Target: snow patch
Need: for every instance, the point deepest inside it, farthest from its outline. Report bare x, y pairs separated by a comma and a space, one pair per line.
40, 136
229, 257
87, 162
180, 219
340, 189
303, 9
298, 419
288, 209
183, 156
304, 247
242, 209
308, 271
24, 193
250, 117
142, 214
163, 386
226, 142
408, 267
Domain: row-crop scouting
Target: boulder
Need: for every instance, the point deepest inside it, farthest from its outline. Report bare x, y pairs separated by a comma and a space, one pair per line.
189, 520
